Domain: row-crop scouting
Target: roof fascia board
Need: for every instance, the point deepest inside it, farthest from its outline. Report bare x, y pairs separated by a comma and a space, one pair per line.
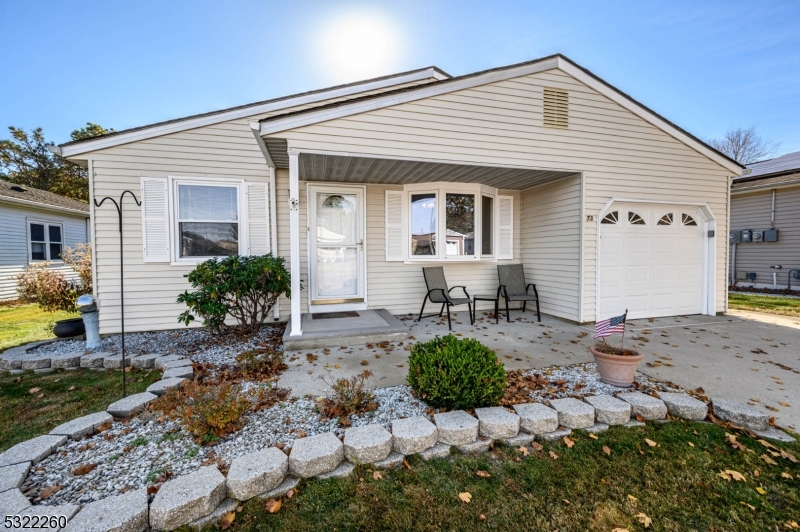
191, 123
644, 114
45, 206
323, 115
736, 191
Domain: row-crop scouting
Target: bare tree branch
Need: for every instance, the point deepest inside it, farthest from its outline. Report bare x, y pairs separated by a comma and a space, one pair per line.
745, 145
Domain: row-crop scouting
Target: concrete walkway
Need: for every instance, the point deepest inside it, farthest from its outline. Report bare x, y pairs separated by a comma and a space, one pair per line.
733, 356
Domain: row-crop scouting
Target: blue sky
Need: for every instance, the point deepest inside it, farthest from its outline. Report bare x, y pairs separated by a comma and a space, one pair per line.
706, 66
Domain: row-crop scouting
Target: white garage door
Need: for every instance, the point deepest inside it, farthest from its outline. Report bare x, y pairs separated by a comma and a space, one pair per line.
651, 261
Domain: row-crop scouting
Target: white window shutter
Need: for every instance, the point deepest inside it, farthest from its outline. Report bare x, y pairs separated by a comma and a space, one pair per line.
395, 217
258, 219
155, 219
505, 227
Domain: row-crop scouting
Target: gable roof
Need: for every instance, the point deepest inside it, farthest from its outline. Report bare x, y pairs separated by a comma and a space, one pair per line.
77, 147
325, 112
787, 163
40, 198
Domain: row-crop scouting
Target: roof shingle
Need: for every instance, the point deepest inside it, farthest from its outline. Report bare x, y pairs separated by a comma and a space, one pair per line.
34, 195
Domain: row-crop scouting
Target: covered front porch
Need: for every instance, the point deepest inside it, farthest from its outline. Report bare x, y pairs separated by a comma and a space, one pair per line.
371, 224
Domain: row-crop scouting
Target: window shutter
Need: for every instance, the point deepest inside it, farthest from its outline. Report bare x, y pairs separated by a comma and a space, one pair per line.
155, 219
395, 216
505, 227
257, 219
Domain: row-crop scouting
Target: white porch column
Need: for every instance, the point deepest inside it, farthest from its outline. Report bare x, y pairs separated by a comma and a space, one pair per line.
294, 241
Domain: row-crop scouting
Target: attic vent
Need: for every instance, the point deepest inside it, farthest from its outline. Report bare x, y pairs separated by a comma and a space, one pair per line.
556, 108
16, 188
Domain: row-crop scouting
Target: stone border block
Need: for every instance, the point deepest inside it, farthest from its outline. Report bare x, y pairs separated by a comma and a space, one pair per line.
456, 427
573, 413
256, 473
684, 406
118, 513
537, 418
740, 414
367, 444
644, 405
130, 405
34, 450
187, 498
82, 426
315, 455
610, 410
497, 423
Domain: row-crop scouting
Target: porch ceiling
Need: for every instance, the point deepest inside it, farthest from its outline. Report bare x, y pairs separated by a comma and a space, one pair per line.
352, 169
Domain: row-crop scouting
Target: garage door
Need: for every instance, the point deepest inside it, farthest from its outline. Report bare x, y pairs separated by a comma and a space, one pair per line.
651, 261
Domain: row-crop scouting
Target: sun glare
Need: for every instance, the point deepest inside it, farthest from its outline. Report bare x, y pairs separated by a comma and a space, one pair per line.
359, 46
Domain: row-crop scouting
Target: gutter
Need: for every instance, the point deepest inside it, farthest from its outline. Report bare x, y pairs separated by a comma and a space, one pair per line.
255, 127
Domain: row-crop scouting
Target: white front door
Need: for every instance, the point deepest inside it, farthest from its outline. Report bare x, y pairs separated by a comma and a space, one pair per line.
651, 261
337, 268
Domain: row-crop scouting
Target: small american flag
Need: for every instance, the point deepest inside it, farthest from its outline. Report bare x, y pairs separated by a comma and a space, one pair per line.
610, 326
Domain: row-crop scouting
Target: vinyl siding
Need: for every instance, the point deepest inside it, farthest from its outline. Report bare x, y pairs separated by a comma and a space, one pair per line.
620, 154
752, 211
14, 235
550, 238
224, 150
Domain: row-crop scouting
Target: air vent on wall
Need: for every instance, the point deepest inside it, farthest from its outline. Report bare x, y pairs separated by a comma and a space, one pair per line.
556, 108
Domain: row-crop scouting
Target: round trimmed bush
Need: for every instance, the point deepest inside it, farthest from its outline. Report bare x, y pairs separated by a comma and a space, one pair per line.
455, 372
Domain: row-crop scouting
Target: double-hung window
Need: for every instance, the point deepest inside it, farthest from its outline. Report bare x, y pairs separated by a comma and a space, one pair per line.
46, 240
207, 219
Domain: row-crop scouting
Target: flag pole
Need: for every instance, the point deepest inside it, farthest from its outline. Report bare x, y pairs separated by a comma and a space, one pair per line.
624, 322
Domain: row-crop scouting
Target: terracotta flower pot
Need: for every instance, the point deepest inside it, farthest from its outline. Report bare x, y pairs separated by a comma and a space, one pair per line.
616, 370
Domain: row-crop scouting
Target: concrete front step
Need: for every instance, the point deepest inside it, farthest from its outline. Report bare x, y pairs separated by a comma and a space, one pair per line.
393, 331
187, 498
121, 513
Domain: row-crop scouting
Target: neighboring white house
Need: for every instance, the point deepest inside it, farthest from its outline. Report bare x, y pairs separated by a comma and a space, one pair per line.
607, 204
36, 226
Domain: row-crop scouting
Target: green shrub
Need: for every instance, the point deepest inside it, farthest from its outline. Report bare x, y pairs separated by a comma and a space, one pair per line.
456, 373
245, 288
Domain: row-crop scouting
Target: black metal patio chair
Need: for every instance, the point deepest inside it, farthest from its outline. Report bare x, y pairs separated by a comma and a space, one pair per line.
513, 288
439, 293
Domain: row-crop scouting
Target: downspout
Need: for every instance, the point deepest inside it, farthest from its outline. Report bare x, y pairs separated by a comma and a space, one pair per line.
772, 218
273, 217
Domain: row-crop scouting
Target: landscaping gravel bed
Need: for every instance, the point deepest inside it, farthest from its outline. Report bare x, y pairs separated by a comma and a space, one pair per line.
580, 380
197, 344
134, 454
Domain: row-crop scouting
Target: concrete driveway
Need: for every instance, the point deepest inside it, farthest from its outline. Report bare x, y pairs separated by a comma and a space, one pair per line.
733, 356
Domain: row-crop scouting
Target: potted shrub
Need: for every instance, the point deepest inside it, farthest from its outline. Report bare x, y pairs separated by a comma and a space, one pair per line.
616, 366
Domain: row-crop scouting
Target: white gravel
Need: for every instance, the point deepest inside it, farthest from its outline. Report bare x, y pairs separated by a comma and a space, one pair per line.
587, 380
165, 446
197, 344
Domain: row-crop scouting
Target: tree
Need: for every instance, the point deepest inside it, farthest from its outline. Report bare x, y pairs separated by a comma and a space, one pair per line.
745, 145
26, 160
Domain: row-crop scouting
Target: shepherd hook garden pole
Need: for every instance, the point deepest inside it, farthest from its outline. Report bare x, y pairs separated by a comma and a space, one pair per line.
121, 273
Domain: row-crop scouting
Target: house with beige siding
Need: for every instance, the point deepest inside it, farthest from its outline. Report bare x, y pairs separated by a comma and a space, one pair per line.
608, 205
35, 227
765, 225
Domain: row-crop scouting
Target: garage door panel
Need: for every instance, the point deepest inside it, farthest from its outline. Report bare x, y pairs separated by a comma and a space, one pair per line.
652, 270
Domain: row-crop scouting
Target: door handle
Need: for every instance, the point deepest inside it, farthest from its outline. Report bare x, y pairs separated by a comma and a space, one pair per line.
361, 244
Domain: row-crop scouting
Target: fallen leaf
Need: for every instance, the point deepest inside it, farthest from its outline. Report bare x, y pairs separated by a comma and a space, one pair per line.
748, 505
767, 444
607, 450
406, 464
690, 444
593, 436
553, 455
643, 519
768, 460
793, 525
289, 495
730, 474
650, 442
377, 475
783, 403
631, 497
465, 496
640, 418
272, 505
537, 447
482, 517
789, 456
49, 491
71, 388
483, 474
620, 530
83, 469
568, 442
761, 490
227, 520
152, 490
524, 450
34, 390
786, 475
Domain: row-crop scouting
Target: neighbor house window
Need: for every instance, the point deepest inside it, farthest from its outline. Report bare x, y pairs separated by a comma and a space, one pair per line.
460, 224
207, 220
46, 240
423, 225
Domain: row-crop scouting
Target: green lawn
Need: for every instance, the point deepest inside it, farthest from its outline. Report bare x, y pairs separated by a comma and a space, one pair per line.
27, 323
676, 484
785, 306
34, 404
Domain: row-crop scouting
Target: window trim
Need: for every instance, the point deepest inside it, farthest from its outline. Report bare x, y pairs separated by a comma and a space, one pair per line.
441, 189
46, 224
174, 182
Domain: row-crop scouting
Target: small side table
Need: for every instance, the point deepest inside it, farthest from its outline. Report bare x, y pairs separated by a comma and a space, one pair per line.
486, 297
